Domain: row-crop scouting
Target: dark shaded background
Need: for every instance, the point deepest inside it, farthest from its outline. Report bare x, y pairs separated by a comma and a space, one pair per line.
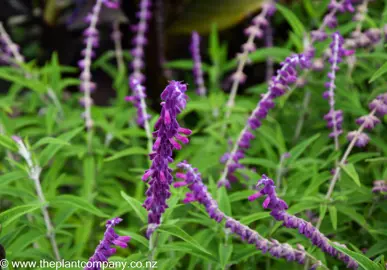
40, 33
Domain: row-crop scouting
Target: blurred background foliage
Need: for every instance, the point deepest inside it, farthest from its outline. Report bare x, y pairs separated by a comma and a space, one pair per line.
43, 27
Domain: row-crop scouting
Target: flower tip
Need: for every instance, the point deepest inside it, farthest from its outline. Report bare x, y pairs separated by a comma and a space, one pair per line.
16, 138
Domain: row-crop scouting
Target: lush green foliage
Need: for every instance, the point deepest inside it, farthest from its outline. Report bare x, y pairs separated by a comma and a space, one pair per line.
84, 188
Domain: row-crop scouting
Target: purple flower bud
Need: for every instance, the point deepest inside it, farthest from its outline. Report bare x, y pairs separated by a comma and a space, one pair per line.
369, 121
380, 186
379, 105
166, 134
361, 138
104, 250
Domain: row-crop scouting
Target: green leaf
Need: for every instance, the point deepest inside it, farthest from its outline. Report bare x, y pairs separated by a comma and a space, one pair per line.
89, 177
296, 151
225, 252
260, 55
187, 248
52, 149
12, 176
350, 170
136, 206
223, 200
333, 215
292, 19
8, 143
379, 248
260, 162
176, 231
184, 64
14, 213
128, 152
50, 140
379, 72
77, 202
351, 213
254, 217
362, 260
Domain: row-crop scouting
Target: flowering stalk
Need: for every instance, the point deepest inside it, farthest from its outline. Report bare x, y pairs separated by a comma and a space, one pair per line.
91, 39
34, 171
167, 132
358, 138
286, 75
192, 179
334, 117
10, 49
116, 37
104, 250
197, 69
330, 19
137, 78
278, 209
256, 30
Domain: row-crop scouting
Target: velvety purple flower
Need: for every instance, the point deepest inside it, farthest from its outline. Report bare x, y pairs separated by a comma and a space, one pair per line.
105, 248
137, 78
380, 186
197, 69
368, 38
361, 138
168, 132
278, 209
278, 86
342, 6
379, 105
199, 193
369, 121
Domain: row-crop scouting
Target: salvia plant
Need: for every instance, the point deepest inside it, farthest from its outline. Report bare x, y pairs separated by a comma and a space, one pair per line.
282, 167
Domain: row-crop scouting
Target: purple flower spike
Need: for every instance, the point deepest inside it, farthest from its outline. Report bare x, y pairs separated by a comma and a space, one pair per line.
286, 75
278, 209
334, 117
137, 78
199, 193
167, 132
91, 40
105, 248
197, 69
